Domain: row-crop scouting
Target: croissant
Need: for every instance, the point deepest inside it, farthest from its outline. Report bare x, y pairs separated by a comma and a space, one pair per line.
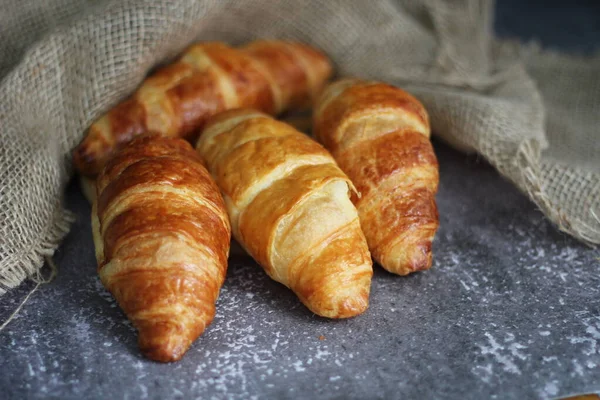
271, 76
88, 188
379, 135
162, 238
289, 207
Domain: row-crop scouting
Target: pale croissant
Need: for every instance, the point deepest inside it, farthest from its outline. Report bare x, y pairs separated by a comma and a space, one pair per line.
379, 135
175, 101
289, 207
162, 239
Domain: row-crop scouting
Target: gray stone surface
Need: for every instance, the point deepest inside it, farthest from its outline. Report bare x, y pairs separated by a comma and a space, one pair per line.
511, 309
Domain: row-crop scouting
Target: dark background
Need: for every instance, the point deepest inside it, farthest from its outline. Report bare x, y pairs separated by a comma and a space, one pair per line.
572, 26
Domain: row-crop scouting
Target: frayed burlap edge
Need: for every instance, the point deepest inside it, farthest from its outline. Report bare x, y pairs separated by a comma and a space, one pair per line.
528, 159
527, 162
39, 280
19, 267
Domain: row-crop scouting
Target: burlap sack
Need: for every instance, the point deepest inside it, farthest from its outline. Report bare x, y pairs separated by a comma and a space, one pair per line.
64, 62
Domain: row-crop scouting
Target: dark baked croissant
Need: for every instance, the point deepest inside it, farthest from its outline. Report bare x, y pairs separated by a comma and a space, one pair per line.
289, 207
162, 239
379, 135
271, 76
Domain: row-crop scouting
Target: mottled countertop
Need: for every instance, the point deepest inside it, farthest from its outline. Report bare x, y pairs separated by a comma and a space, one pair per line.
510, 309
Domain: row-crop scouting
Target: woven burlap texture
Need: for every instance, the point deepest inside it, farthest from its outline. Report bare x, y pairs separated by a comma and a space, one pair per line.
532, 115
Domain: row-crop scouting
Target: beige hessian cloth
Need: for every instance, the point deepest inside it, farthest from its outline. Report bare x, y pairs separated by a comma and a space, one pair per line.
534, 116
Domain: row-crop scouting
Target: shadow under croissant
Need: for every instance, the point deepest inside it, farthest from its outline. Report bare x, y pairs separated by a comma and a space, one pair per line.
245, 276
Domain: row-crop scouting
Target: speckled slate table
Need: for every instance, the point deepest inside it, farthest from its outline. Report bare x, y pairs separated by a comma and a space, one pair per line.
511, 309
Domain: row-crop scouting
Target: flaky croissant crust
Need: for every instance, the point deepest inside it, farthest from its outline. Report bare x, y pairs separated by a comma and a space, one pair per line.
162, 238
379, 135
289, 207
176, 100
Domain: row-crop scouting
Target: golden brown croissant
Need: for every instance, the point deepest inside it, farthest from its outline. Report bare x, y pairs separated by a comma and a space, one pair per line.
271, 76
379, 135
289, 207
162, 238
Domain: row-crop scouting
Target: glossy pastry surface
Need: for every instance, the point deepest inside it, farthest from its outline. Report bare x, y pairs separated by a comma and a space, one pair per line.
379, 135
162, 238
209, 77
289, 207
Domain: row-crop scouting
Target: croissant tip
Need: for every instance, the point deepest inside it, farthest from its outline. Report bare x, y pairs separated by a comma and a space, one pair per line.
353, 306
158, 345
348, 306
80, 157
409, 258
85, 160
347, 301
420, 259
